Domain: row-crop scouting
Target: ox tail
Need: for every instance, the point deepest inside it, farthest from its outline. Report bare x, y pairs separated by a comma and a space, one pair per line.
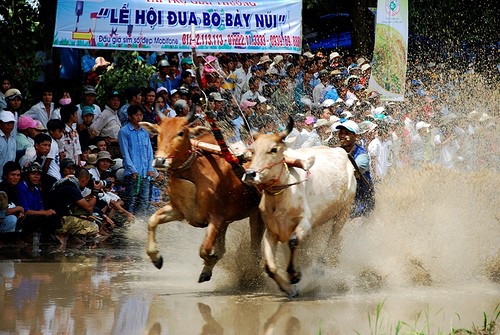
228, 156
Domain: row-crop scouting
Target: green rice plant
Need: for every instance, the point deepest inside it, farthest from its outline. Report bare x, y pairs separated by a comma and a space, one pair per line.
489, 325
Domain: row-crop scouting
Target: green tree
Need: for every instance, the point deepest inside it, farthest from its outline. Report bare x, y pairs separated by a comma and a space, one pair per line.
128, 70
20, 33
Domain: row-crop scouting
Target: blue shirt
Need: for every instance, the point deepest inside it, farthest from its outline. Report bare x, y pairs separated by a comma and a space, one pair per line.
155, 82
122, 114
364, 200
136, 149
29, 197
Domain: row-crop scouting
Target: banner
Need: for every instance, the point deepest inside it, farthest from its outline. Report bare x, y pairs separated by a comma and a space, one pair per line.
388, 75
175, 25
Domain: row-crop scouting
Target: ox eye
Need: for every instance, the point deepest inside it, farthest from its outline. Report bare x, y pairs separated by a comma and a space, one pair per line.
180, 134
274, 150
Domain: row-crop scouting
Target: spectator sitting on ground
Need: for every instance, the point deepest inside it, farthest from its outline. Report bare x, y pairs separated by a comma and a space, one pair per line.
7, 137
27, 129
37, 219
13, 213
73, 208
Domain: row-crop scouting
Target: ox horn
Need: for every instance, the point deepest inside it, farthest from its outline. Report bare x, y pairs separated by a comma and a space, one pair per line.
160, 114
289, 128
191, 116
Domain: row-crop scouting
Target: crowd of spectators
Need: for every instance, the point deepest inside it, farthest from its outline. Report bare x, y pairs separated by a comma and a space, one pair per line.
73, 168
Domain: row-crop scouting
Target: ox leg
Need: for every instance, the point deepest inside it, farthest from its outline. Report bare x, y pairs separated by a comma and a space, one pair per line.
164, 214
270, 242
215, 240
293, 274
257, 228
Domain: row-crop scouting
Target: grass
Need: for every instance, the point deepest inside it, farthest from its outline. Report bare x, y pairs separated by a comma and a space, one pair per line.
489, 325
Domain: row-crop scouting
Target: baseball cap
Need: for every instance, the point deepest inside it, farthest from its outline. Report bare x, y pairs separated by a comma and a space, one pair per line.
216, 96
89, 90
310, 119
187, 60
87, 110
113, 94
7, 116
163, 63
247, 103
349, 125
26, 122
256, 67
13, 93
32, 167
40, 126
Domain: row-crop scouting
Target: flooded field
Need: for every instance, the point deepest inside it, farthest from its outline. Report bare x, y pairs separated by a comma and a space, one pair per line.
423, 258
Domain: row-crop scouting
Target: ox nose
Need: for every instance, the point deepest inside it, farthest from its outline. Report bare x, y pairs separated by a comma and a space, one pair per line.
160, 163
249, 176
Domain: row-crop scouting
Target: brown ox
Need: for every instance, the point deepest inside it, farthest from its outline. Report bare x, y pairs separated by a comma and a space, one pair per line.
295, 201
203, 189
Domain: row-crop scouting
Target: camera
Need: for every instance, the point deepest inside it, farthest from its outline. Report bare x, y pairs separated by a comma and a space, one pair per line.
96, 185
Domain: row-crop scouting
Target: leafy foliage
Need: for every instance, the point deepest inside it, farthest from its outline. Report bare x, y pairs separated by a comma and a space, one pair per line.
129, 70
20, 34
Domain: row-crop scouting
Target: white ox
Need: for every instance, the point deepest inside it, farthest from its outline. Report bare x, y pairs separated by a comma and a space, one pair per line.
294, 201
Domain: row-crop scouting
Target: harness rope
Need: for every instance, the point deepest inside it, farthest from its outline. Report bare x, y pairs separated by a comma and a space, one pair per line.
274, 189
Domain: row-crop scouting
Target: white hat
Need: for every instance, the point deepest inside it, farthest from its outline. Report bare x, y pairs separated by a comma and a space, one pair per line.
334, 118
7, 116
361, 61
261, 99
322, 123
349, 102
346, 114
378, 110
277, 59
308, 54
349, 125
334, 55
422, 124
365, 67
327, 103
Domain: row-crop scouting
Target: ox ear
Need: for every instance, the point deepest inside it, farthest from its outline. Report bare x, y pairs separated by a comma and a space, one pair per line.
150, 128
199, 131
289, 128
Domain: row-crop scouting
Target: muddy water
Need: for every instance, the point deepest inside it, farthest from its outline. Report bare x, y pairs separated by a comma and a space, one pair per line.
429, 254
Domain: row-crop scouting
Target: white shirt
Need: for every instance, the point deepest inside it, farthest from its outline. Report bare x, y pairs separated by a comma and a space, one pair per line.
107, 124
53, 154
38, 112
379, 151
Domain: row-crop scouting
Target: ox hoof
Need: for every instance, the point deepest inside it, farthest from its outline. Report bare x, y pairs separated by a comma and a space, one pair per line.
293, 293
293, 242
295, 277
158, 263
204, 277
